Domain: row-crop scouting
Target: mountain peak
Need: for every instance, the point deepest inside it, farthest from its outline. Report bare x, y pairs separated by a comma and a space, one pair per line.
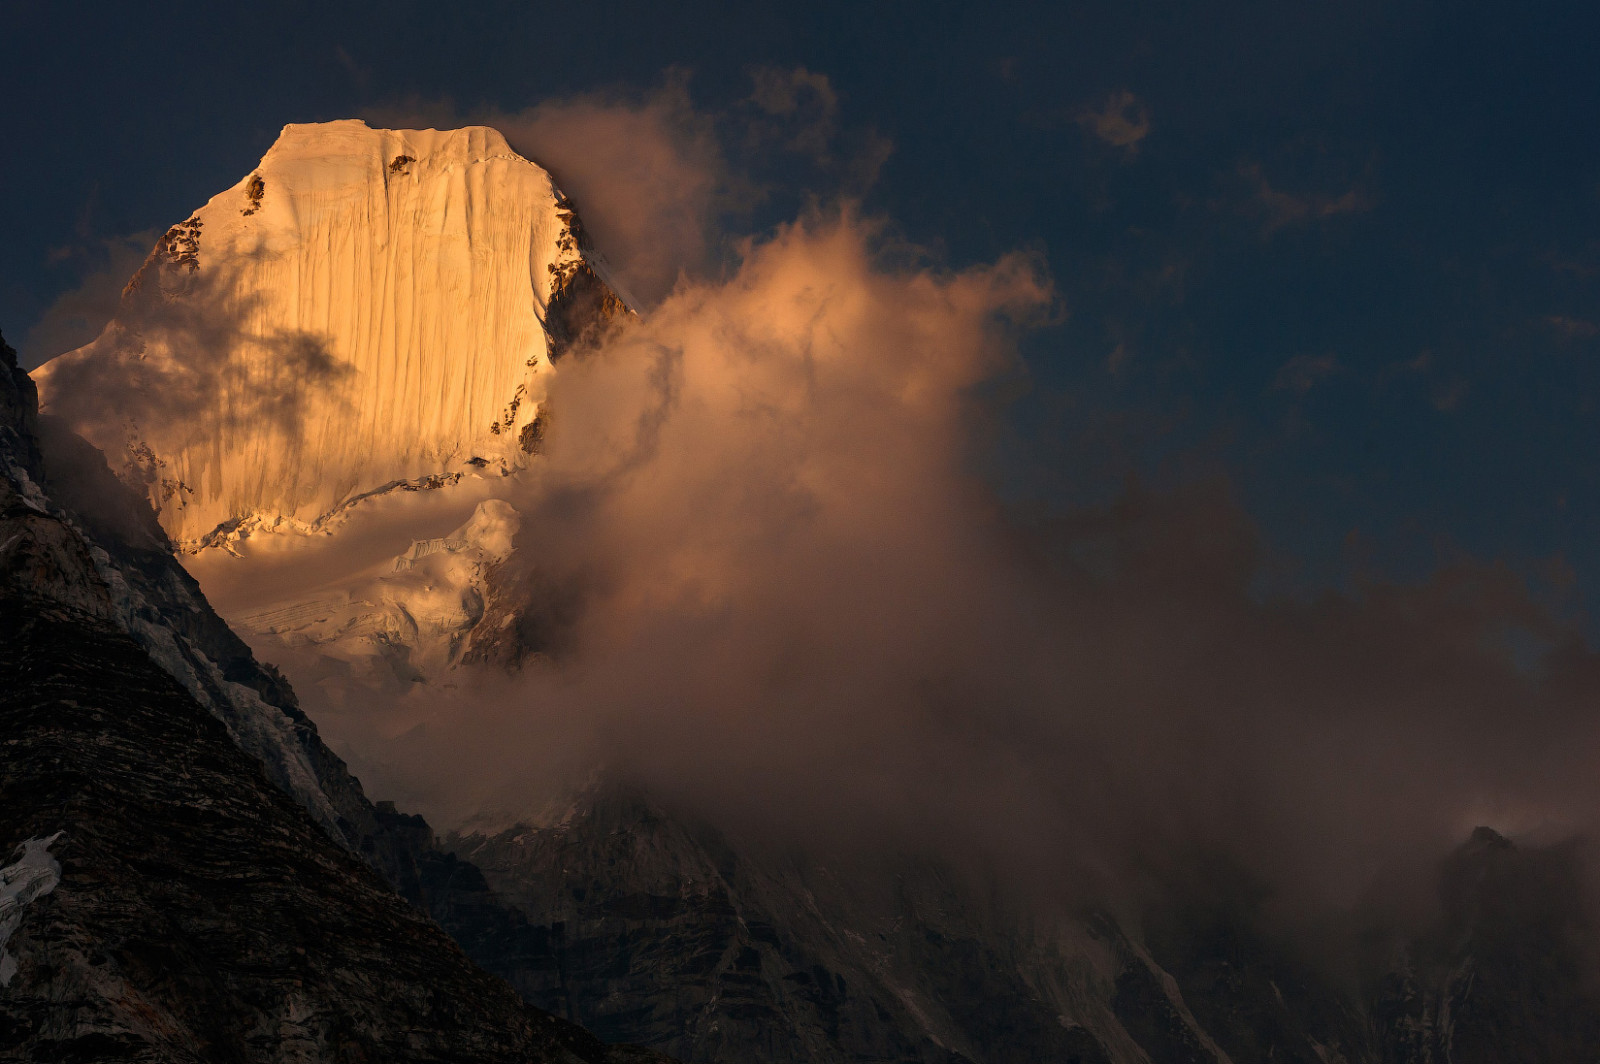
1487, 838
320, 141
367, 307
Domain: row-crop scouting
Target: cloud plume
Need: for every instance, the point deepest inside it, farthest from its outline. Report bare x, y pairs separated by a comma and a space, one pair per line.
774, 589
789, 605
665, 185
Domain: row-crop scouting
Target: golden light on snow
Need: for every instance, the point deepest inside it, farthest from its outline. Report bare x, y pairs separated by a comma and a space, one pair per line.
365, 306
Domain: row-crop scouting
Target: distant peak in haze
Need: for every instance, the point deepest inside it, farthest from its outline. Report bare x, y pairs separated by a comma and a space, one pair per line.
366, 309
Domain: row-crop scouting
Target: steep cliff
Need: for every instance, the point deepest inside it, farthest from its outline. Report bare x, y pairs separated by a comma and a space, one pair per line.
163, 898
366, 309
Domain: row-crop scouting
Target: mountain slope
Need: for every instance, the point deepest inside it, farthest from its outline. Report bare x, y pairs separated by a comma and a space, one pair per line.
164, 900
200, 915
782, 956
1507, 975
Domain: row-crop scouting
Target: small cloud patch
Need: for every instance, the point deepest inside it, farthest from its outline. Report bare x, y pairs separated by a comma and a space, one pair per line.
1569, 329
1122, 121
1303, 372
1280, 209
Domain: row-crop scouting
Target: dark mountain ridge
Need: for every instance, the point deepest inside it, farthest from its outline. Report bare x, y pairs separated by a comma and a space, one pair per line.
796, 958
167, 899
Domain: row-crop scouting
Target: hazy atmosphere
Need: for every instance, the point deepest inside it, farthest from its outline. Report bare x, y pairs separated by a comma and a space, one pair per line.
831, 533
1056, 440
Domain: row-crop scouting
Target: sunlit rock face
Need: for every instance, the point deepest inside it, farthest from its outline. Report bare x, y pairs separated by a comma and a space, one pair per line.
365, 307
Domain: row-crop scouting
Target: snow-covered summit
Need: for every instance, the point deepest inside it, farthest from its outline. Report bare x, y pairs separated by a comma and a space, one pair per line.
366, 307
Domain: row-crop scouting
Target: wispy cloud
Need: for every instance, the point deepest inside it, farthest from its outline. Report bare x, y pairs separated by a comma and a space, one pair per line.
185, 360
1122, 120
78, 315
1303, 372
805, 99
1571, 328
1448, 396
1279, 209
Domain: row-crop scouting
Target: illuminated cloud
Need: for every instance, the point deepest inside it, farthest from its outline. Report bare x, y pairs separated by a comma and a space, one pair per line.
779, 598
646, 172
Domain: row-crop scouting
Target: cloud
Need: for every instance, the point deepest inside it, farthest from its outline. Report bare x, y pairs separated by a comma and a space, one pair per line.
360, 74
793, 112
1446, 397
1122, 121
1568, 329
805, 99
1118, 358
1302, 372
183, 361
78, 315
787, 605
647, 173
1279, 209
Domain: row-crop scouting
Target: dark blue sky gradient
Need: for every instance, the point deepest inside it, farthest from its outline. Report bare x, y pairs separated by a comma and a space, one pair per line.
1354, 265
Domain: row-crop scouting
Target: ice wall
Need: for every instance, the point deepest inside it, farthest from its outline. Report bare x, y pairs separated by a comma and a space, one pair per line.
366, 306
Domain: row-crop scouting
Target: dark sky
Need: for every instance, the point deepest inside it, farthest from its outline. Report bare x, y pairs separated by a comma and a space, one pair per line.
1345, 254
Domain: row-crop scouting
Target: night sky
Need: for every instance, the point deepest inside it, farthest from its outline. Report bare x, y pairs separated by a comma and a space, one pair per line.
1345, 257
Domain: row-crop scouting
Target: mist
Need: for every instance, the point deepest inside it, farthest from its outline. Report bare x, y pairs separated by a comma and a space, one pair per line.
174, 375
773, 587
778, 596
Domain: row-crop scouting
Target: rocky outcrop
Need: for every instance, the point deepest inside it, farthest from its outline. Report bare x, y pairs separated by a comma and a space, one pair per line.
1508, 972
19, 415
582, 305
200, 914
